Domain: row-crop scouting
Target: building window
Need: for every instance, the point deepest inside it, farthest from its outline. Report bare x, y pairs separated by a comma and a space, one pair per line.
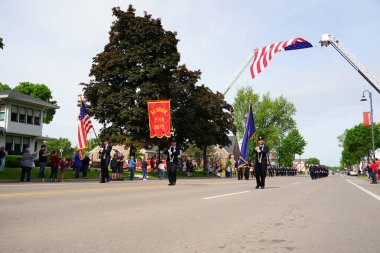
22, 115
9, 143
2, 112
14, 113
29, 117
25, 143
17, 144
37, 117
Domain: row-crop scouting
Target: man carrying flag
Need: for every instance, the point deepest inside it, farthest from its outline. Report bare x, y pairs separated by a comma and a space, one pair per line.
248, 134
261, 163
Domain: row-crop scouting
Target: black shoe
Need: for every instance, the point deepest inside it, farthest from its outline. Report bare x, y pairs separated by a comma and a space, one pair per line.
257, 187
262, 187
102, 181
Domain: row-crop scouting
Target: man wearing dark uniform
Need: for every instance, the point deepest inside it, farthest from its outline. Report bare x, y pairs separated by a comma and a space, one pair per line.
172, 160
105, 158
261, 163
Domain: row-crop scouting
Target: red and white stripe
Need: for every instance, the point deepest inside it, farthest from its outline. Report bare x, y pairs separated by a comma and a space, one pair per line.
264, 55
82, 136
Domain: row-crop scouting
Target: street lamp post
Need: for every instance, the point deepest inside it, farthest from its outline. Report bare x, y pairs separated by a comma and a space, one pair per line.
372, 131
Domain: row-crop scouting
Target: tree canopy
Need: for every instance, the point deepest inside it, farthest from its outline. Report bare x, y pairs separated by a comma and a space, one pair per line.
291, 145
273, 117
4, 86
140, 63
58, 144
312, 160
357, 144
40, 91
1, 43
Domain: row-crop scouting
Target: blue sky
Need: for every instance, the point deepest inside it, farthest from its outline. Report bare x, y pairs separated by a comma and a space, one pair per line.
53, 42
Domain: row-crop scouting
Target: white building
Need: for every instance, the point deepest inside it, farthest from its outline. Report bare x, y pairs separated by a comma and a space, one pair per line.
21, 118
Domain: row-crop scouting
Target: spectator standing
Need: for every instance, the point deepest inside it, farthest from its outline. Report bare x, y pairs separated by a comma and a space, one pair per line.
189, 168
77, 163
42, 158
26, 164
132, 167
3, 155
374, 169
54, 166
161, 170
85, 165
144, 167
120, 162
228, 170
216, 168
114, 166
64, 164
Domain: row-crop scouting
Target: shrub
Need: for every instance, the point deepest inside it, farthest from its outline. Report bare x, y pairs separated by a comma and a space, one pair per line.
13, 161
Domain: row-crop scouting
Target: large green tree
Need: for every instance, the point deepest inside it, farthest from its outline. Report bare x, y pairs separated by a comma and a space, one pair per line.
1, 43
357, 143
273, 117
141, 63
40, 91
291, 145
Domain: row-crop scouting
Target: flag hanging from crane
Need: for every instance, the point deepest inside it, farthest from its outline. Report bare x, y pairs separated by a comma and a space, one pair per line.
264, 55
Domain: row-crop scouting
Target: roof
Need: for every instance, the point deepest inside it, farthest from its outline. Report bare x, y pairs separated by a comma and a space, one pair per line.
230, 148
12, 95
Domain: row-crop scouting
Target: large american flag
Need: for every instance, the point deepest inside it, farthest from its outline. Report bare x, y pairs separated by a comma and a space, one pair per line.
264, 55
84, 126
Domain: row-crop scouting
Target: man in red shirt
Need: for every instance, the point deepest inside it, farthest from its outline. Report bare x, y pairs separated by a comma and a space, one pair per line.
374, 167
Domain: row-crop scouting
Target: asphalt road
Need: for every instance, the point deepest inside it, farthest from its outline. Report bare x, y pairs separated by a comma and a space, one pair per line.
293, 214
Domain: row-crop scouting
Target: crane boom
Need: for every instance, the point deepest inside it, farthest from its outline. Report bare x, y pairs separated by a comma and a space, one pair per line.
328, 39
239, 74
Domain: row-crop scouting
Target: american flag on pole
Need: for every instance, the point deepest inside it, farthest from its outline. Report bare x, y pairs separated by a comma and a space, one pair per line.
264, 55
84, 126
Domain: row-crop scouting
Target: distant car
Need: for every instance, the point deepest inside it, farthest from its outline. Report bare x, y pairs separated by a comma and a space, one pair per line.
353, 173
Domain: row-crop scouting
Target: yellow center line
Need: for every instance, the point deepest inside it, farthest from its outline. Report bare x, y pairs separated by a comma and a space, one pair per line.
110, 189
80, 190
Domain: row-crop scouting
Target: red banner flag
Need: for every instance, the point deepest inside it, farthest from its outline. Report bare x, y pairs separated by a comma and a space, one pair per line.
367, 119
159, 118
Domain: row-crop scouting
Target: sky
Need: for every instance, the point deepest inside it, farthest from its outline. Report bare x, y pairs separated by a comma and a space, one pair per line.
54, 42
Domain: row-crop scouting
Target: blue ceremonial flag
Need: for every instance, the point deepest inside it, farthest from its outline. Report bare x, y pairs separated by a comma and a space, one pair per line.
249, 132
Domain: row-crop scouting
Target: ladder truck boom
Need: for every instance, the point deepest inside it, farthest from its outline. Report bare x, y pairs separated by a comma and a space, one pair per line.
328, 39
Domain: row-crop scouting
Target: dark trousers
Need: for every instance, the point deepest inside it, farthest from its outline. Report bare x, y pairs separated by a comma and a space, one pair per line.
26, 170
240, 173
261, 172
53, 173
104, 168
172, 173
85, 169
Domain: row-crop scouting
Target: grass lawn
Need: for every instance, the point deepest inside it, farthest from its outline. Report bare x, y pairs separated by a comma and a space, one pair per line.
13, 174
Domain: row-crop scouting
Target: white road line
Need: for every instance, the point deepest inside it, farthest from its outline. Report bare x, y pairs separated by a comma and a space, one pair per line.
224, 195
296, 183
364, 190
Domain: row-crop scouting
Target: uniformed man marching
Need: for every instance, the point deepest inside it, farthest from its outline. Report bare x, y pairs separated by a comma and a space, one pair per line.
261, 163
172, 160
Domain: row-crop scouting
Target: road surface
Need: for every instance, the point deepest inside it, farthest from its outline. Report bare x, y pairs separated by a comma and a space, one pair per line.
292, 214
